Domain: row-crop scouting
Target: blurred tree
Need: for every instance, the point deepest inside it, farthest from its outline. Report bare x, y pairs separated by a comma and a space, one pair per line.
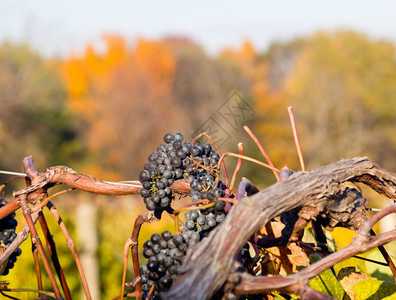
269, 103
33, 116
343, 86
137, 109
201, 83
125, 98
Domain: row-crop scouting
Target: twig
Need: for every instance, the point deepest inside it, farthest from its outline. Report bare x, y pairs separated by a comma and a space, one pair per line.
238, 166
387, 258
248, 159
51, 248
9, 181
38, 270
133, 283
245, 186
132, 295
64, 175
127, 245
20, 238
44, 203
151, 291
147, 217
72, 247
40, 292
12, 173
295, 135
368, 225
229, 200
37, 243
254, 138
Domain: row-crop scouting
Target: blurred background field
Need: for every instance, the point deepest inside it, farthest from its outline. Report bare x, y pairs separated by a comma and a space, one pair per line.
103, 106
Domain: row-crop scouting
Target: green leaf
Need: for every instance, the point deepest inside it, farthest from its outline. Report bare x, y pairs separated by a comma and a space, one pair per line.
326, 282
381, 272
374, 289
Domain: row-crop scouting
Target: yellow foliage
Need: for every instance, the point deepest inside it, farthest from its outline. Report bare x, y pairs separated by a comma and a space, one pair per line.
156, 59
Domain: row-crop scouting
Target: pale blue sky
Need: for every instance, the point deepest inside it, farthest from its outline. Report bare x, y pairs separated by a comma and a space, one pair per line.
57, 28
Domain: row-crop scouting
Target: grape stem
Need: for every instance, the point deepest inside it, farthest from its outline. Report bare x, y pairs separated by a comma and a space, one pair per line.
248, 159
218, 151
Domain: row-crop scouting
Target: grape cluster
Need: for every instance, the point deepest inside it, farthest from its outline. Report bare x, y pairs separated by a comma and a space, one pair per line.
7, 235
172, 161
203, 187
165, 252
177, 160
202, 221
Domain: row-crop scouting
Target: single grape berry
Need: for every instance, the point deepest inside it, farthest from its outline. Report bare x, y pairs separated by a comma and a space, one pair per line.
144, 175
166, 235
168, 138
155, 238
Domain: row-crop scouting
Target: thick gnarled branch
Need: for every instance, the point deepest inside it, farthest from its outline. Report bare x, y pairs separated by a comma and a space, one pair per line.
41, 182
214, 256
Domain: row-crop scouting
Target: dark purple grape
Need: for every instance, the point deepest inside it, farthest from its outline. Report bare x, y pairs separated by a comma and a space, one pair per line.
179, 173
153, 156
144, 175
195, 151
148, 252
144, 193
152, 265
156, 248
194, 214
146, 185
177, 239
159, 184
189, 224
168, 191
177, 145
179, 137
161, 269
169, 138
147, 244
161, 193
167, 174
155, 238
159, 161
156, 199
168, 261
165, 202
165, 282
150, 205
207, 148
176, 162
219, 205
146, 287
218, 192
166, 235
181, 154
